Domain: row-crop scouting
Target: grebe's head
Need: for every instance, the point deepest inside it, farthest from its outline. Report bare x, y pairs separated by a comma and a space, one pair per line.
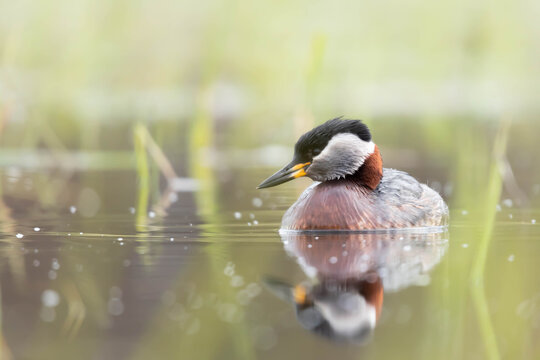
330, 151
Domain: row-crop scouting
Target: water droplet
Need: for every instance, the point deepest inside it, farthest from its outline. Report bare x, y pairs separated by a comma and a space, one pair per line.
151, 214
333, 260
249, 224
242, 297
115, 307
237, 215
533, 221
237, 281
229, 269
88, 202
407, 248
229, 312
464, 212
253, 289
257, 202
309, 246
508, 203
464, 246
55, 265
511, 258
120, 239
171, 239
255, 222
50, 298
72, 209
19, 236
131, 210
36, 229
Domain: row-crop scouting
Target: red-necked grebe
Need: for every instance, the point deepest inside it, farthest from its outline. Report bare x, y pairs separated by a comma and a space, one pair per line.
352, 190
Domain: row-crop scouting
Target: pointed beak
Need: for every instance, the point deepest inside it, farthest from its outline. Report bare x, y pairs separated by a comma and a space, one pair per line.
293, 294
289, 172
280, 289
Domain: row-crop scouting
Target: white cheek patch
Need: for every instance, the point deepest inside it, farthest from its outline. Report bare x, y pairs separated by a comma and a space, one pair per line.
342, 156
350, 322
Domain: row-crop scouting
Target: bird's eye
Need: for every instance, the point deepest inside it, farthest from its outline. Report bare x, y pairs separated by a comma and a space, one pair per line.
316, 152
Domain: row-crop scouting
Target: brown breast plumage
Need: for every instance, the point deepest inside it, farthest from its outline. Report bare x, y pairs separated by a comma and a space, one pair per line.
398, 202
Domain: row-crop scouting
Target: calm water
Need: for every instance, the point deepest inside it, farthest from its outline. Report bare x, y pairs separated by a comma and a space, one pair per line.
203, 273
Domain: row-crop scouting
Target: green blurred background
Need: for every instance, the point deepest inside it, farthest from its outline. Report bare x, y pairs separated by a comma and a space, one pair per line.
69, 68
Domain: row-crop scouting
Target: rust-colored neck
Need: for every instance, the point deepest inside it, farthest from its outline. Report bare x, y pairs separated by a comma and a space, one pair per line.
370, 173
374, 294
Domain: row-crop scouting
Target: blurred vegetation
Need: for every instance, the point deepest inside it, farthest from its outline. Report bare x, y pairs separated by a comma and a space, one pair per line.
69, 68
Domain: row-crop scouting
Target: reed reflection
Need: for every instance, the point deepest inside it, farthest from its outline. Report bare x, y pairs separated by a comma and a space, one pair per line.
348, 274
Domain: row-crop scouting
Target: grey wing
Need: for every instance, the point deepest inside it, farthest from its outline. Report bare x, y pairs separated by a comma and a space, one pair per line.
410, 202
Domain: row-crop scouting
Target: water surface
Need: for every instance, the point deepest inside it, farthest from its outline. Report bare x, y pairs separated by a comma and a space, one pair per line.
203, 273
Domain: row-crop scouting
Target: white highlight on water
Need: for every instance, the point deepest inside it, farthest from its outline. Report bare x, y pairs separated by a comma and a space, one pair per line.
55, 265
257, 202
508, 203
50, 298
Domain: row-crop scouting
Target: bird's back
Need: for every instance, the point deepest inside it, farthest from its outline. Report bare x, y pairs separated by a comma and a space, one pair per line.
399, 201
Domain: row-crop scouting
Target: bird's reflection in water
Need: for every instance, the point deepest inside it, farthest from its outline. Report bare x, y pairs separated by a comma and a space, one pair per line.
348, 275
